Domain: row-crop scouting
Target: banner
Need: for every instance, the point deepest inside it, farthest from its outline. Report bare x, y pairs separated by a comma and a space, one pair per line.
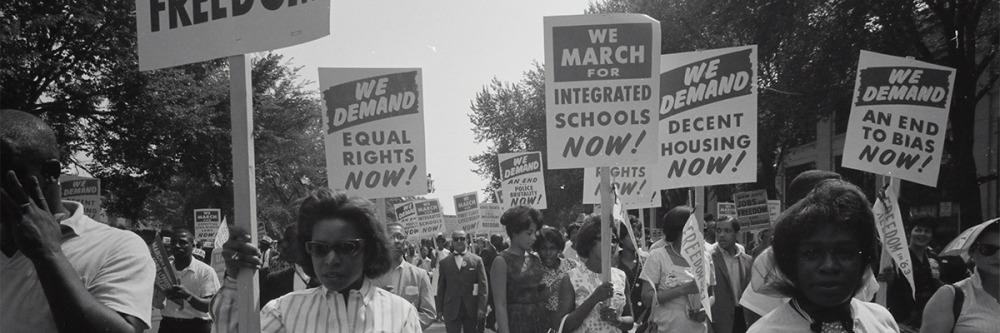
175, 33
694, 252
637, 187
708, 117
892, 233
374, 124
206, 224
217, 261
600, 90
86, 191
522, 179
467, 209
489, 219
165, 278
898, 118
752, 209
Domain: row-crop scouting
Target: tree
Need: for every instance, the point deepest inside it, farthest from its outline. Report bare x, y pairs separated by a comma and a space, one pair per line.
807, 62
511, 118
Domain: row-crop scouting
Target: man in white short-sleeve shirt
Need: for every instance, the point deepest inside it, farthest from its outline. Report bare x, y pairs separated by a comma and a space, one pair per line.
186, 310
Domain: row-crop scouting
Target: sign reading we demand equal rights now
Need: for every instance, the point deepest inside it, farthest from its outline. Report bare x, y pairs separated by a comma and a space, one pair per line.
174, 32
522, 179
601, 81
373, 120
708, 117
899, 117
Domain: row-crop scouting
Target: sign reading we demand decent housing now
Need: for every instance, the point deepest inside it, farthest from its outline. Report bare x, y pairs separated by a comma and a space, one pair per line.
373, 120
899, 117
174, 32
601, 81
708, 117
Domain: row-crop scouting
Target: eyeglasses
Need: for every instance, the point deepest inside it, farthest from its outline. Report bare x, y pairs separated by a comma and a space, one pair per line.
345, 247
398, 237
986, 249
458, 239
842, 255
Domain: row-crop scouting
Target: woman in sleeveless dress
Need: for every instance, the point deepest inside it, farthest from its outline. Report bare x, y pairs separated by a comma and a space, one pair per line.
517, 275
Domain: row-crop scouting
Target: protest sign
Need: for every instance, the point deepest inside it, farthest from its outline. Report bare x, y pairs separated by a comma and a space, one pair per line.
165, 278
726, 209
522, 179
601, 81
429, 220
450, 224
489, 219
752, 210
892, 234
693, 250
373, 121
86, 191
174, 33
218, 262
406, 213
467, 209
206, 224
637, 187
708, 117
773, 210
899, 117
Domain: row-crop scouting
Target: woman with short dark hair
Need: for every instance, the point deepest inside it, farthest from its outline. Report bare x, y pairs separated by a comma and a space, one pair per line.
548, 245
517, 275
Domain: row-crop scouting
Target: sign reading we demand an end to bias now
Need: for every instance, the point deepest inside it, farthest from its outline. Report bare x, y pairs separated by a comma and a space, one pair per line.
601, 81
175, 32
522, 179
708, 117
373, 120
899, 117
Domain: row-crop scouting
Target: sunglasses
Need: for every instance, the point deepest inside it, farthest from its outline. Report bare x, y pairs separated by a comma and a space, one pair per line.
986, 249
458, 239
345, 247
398, 237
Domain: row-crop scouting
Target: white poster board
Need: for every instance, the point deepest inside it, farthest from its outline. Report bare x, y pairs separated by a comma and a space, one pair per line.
86, 191
899, 117
373, 120
206, 224
752, 209
490, 218
708, 117
637, 186
467, 210
601, 84
522, 178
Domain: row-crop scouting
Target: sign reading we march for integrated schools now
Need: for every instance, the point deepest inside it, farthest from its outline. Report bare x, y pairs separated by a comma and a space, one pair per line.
899, 117
708, 117
522, 179
174, 32
420, 218
373, 120
637, 186
601, 86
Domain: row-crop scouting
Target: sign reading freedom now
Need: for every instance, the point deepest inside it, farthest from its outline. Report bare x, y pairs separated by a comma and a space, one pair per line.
601, 85
173, 32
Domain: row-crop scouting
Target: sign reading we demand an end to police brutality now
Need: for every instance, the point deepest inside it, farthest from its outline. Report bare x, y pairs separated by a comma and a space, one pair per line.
898, 117
601, 80
708, 117
175, 32
522, 179
373, 120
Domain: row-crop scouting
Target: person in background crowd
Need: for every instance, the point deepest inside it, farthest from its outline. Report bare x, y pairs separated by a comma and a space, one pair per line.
589, 305
549, 244
62, 271
462, 290
900, 301
347, 247
979, 311
710, 228
825, 245
407, 281
440, 252
668, 281
571, 230
490, 253
732, 268
517, 275
425, 259
276, 283
630, 260
186, 309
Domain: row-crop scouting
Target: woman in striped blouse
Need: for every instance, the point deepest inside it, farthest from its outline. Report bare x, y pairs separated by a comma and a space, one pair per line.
347, 247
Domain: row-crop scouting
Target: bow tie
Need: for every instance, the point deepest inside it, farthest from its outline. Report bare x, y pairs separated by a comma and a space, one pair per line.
459, 254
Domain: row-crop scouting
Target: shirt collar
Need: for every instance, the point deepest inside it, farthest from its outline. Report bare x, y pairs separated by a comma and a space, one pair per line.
367, 291
71, 225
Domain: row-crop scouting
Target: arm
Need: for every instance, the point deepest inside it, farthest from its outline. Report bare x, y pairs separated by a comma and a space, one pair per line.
498, 273
625, 320
567, 303
483, 288
426, 311
224, 306
938, 316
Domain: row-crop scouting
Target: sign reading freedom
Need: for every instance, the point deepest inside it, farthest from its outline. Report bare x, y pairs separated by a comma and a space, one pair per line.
173, 32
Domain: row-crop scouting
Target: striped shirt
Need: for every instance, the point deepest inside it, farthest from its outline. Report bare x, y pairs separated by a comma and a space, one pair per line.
368, 309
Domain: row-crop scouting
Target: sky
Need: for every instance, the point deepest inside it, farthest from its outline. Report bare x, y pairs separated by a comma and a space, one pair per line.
460, 46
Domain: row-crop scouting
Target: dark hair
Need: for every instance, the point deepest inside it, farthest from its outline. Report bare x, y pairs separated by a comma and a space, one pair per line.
587, 237
673, 222
709, 217
324, 204
832, 202
805, 182
496, 240
732, 221
922, 220
573, 226
520, 218
549, 235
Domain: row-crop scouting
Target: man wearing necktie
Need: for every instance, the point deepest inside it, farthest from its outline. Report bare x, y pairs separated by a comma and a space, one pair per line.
462, 287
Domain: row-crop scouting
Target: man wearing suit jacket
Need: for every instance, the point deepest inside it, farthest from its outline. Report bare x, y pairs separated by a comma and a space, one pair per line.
405, 280
462, 287
732, 271
293, 278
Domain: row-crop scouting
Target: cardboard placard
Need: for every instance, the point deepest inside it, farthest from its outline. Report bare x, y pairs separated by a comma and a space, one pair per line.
752, 210
206, 224
490, 218
467, 210
86, 191
637, 186
522, 179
